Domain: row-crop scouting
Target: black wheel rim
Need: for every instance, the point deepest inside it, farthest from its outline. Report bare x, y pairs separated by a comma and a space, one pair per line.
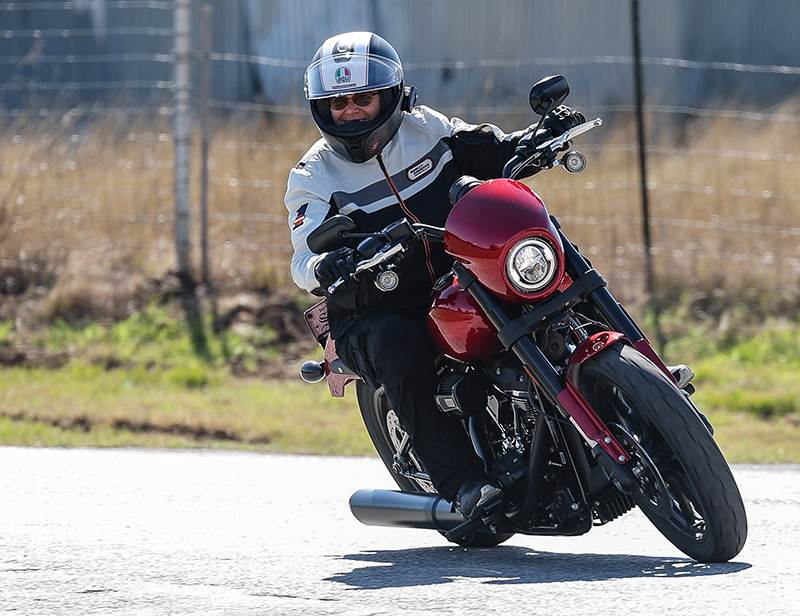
686, 511
677, 503
395, 433
651, 492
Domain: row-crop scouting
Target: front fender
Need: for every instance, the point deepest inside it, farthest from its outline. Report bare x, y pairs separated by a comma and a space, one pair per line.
589, 348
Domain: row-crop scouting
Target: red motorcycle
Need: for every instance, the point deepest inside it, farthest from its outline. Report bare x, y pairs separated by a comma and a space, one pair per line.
566, 401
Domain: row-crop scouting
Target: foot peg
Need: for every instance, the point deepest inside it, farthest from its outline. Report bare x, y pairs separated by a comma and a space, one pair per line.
488, 516
683, 374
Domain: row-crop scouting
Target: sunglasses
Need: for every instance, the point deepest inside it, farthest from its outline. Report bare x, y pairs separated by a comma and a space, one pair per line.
362, 100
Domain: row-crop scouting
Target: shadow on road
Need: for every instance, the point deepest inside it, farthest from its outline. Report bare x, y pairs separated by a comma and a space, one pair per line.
511, 565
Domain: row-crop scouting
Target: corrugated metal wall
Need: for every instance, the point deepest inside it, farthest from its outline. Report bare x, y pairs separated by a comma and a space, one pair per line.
467, 52
459, 53
87, 158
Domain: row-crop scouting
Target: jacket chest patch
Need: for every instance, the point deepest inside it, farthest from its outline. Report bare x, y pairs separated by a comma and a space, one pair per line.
420, 169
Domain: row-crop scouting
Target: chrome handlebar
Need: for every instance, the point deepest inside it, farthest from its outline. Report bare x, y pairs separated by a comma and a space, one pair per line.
380, 257
551, 147
559, 142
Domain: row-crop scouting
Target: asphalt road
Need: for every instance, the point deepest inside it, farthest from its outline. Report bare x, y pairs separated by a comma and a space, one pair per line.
150, 532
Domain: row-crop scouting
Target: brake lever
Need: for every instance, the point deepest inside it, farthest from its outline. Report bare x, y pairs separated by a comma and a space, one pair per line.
558, 142
380, 257
551, 148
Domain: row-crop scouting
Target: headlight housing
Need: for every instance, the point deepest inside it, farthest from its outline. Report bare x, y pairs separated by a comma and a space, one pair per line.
531, 265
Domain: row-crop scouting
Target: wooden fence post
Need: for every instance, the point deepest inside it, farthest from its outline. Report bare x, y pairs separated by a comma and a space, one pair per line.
205, 87
182, 127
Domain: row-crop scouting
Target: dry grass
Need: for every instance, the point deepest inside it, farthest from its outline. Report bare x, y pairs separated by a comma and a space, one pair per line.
86, 210
86, 232
724, 202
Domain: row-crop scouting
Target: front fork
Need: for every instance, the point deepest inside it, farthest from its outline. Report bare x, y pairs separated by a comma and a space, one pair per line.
542, 372
612, 312
616, 316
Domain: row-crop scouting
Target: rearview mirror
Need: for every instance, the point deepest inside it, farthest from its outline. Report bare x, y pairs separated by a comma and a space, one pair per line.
548, 93
331, 234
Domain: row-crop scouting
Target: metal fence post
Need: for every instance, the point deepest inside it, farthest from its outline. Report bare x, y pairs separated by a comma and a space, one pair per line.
652, 300
182, 75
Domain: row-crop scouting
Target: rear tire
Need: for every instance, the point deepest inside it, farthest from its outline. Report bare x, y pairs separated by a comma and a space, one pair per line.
685, 486
386, 433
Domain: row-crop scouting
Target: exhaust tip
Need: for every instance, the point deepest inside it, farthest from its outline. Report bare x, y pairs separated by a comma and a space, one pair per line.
403, 510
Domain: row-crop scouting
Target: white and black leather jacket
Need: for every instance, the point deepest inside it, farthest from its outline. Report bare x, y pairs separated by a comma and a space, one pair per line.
428, 153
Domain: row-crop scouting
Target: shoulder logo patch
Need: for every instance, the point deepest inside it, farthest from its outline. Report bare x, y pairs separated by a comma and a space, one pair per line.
300, 217
420, 169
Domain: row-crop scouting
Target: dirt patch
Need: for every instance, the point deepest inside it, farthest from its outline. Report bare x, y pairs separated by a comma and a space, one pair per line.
278, 311
79, 302
28, 356
82, 423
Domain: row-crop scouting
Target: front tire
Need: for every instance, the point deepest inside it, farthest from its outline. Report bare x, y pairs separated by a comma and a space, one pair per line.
387, 435
685, 486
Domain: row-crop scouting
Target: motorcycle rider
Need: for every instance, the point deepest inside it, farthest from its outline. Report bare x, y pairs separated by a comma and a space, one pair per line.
382, 158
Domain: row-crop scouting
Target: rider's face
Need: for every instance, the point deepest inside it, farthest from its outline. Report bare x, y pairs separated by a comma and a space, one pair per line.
353, 111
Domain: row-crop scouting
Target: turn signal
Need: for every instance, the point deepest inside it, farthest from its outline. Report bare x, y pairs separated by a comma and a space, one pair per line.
312, 371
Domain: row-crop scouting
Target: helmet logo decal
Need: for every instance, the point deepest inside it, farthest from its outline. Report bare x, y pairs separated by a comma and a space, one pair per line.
343, 75
344, 62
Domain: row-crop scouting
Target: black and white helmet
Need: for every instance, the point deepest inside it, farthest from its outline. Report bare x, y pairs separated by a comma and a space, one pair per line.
347, 64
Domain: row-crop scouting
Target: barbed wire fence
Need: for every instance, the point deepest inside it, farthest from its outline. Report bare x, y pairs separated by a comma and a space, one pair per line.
110, 183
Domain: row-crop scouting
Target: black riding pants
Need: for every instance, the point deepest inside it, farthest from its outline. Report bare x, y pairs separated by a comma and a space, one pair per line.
392, 347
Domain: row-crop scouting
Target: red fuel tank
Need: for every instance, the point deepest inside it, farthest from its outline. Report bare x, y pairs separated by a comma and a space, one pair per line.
460, 328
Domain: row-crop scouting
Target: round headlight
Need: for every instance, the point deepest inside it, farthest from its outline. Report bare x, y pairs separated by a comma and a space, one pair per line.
531, 265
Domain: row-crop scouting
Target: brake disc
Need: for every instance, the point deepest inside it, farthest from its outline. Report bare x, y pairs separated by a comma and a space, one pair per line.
651, 491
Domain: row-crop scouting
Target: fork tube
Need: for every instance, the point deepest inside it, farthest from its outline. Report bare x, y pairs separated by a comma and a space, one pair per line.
612, 312
542, 440
537, 365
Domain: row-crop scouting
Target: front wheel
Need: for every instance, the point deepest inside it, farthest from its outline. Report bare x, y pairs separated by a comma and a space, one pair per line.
683, 483
392, 444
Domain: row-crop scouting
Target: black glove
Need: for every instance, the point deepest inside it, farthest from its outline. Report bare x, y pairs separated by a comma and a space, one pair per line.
555, 124
561, 119
339, 263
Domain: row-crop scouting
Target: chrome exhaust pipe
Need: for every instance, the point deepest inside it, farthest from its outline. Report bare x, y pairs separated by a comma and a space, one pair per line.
404, 509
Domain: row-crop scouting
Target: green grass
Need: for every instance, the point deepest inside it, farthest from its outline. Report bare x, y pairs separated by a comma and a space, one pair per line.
747, 378
83, 406
144, 383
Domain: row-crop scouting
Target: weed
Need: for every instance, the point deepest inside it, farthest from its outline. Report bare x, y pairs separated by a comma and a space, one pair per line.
86, 224
5, 332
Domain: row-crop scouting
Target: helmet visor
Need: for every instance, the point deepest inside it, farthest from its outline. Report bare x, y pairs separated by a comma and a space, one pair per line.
346, 73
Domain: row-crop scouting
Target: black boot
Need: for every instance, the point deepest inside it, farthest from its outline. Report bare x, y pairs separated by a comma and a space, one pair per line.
475, 497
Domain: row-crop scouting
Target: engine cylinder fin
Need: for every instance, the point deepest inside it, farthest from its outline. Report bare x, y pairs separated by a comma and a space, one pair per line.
611, 504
